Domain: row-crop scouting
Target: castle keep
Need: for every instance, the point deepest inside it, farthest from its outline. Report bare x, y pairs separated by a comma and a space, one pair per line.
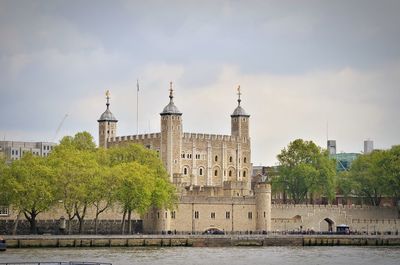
211, 171
213, 176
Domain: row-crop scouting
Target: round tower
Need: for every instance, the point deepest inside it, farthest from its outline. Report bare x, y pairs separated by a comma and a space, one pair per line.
107, 124
262, 193
171, 136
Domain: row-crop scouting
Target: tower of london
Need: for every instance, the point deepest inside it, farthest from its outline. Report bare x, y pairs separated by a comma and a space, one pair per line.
212, 173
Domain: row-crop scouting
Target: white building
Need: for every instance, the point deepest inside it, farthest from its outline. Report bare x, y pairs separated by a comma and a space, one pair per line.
14, 150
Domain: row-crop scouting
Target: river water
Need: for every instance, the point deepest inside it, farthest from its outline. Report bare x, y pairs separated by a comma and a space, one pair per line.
211, 256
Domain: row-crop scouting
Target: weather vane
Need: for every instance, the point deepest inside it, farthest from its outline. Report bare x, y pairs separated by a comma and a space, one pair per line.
239, 94
170, 89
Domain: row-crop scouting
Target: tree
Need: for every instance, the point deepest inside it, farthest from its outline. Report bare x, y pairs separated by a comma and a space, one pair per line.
391, 165
134, 189
103, 186
5, 191
32, 184
305, 171
345, 185
75, 163
369, 176
132, 165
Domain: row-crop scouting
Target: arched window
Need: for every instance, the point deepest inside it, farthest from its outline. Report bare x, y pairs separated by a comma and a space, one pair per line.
244, 160
216, 173
185, 171
201, 171
230, 173
244, 174
230, 159
216, 158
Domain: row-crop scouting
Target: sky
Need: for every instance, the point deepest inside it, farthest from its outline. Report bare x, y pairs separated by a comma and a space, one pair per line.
307, 69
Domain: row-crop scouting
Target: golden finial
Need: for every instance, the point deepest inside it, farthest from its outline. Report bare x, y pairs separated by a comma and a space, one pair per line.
170, 90
108, 98
239, 94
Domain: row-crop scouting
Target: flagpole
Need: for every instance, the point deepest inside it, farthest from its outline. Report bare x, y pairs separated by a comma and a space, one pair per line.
137, 106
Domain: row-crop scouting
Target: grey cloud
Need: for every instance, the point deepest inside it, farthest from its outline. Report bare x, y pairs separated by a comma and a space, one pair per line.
58, 57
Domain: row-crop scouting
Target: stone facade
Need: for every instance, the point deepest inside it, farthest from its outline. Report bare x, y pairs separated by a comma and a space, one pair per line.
14, 150
210, 171
196, 213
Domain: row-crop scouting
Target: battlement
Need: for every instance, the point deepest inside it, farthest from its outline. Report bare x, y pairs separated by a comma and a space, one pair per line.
214, 137
240, 200
135, 137
375, 221
328, 206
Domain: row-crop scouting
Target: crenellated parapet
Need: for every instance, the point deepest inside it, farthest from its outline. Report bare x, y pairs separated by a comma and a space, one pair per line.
243, 200
215, 137
135, 137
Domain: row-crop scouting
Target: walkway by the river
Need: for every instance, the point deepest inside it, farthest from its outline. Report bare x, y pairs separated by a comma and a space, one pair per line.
198, 240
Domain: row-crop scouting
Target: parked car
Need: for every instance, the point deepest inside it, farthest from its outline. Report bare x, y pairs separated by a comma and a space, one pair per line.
342, 229
213, 231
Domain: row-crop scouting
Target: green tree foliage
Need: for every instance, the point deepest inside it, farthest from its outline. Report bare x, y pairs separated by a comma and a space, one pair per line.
103, 186
375, 175
305, 172
75, 164
143, 180
82, 176
32, 184
5, 185
163, 192
345, 185
391, 166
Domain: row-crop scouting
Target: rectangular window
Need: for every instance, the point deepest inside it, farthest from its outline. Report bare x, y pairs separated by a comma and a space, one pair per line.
196, 215
228, 215
212, 215
173, 215
250, 215
197, 156
4, 211
12, 152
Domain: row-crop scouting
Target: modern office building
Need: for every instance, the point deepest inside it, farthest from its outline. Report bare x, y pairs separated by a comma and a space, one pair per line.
14, 150
368, 146
331, 146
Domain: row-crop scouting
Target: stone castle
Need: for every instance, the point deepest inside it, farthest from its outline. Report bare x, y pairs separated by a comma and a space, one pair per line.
211, 171
213, 175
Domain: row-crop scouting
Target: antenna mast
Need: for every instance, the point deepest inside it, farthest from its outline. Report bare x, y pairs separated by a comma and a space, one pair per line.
137, 106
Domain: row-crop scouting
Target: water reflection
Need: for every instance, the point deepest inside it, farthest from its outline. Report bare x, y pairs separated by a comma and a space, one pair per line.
211, 256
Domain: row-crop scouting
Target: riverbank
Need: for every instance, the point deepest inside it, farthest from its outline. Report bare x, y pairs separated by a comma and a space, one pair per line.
37, 241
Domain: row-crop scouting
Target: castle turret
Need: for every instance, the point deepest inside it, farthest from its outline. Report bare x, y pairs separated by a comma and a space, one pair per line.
171, 136
240, 120
107, 124
262, 193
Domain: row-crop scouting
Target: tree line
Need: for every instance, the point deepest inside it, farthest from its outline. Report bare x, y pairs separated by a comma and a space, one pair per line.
77, 175
306, 172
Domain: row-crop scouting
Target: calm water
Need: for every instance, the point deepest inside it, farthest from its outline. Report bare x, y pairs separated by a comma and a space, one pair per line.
211, 256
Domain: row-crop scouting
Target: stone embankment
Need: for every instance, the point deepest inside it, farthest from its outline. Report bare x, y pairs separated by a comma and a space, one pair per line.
199, 241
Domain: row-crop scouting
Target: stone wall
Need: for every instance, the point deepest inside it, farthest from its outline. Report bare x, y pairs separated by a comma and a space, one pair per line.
53, 227
365, 219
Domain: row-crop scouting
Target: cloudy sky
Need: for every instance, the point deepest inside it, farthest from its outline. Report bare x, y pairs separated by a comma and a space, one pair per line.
301, 65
